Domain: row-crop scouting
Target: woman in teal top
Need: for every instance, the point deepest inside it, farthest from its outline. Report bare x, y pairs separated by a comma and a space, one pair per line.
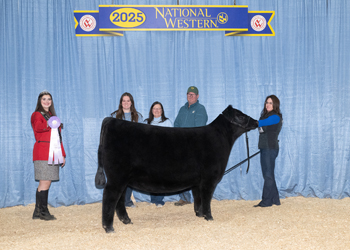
127, 111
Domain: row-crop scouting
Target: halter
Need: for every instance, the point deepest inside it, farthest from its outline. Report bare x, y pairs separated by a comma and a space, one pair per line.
231, 120
247, 143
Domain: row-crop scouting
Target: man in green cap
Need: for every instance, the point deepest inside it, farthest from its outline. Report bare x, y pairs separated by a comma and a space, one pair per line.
192, 114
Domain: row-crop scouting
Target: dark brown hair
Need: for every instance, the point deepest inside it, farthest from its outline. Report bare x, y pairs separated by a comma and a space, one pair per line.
276, 105
119, 113
151, 116
40, 108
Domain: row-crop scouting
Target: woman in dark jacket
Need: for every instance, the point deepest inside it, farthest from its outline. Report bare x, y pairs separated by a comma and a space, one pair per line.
44, 172
270, 124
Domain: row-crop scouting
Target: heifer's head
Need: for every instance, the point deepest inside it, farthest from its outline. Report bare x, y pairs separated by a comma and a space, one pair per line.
240, 119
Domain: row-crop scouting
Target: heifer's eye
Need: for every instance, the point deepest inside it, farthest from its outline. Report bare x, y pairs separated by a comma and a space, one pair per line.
240, 119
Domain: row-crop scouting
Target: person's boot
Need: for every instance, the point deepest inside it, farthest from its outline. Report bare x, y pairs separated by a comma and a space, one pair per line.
36, 214
181, 203
44, 211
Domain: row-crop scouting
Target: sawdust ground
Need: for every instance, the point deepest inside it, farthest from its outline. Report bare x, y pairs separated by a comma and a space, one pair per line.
299, 223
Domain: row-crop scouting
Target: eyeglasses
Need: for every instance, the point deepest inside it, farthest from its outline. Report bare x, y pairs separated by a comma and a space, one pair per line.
191, 95
271, 103
156, 109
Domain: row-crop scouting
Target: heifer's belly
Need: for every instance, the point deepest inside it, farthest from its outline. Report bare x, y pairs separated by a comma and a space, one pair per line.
164, 182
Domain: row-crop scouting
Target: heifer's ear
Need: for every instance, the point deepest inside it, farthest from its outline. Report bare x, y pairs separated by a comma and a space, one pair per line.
228, 112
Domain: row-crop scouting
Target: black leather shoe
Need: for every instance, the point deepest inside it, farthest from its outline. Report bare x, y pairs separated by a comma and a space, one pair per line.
261, 205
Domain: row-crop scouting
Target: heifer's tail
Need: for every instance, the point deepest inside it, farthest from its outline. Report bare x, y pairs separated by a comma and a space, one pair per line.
100, 178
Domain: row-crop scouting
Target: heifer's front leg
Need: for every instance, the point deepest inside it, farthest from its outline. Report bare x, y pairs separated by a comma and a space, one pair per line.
121, 211
109, 202
197, 201
207, 194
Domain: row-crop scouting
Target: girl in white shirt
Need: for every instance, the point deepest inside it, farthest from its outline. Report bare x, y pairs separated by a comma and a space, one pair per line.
157, 117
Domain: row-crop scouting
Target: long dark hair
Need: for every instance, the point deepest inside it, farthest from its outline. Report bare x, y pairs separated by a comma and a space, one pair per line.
40, 108
276, 105
119, 113
151, 116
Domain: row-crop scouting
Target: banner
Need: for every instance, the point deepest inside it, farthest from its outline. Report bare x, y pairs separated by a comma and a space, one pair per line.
170, 18
87, 24
112, 20
259, 24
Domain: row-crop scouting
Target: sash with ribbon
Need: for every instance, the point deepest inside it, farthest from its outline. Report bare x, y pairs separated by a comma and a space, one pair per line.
55, 151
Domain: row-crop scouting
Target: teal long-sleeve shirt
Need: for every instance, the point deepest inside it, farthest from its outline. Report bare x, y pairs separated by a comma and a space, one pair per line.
193, 116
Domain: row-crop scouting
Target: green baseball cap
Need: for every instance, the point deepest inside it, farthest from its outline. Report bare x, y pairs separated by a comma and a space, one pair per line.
192, 89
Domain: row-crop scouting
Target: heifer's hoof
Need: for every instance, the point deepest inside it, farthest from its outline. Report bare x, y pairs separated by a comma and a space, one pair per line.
109, 229
199, 214
127, 221
208, 218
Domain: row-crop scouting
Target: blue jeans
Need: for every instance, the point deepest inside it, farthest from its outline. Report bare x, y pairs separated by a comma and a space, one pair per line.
128, 201
186, 196
270, 194
157, 199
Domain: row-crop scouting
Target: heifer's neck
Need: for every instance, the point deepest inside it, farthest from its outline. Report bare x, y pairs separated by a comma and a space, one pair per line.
238, 131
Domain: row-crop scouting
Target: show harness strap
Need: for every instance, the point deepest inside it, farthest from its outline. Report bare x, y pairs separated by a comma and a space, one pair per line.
237, 165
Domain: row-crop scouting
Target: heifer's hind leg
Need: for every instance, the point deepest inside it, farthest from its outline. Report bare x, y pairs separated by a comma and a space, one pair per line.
109, 203
197, 201
121, 211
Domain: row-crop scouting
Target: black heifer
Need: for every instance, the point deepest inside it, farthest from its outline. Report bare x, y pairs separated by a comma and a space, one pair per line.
165, 160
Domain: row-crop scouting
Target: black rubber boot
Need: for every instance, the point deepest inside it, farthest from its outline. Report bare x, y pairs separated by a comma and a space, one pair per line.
44, 211
36, 214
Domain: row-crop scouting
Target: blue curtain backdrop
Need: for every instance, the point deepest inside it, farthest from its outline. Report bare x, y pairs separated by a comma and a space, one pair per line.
306, 65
